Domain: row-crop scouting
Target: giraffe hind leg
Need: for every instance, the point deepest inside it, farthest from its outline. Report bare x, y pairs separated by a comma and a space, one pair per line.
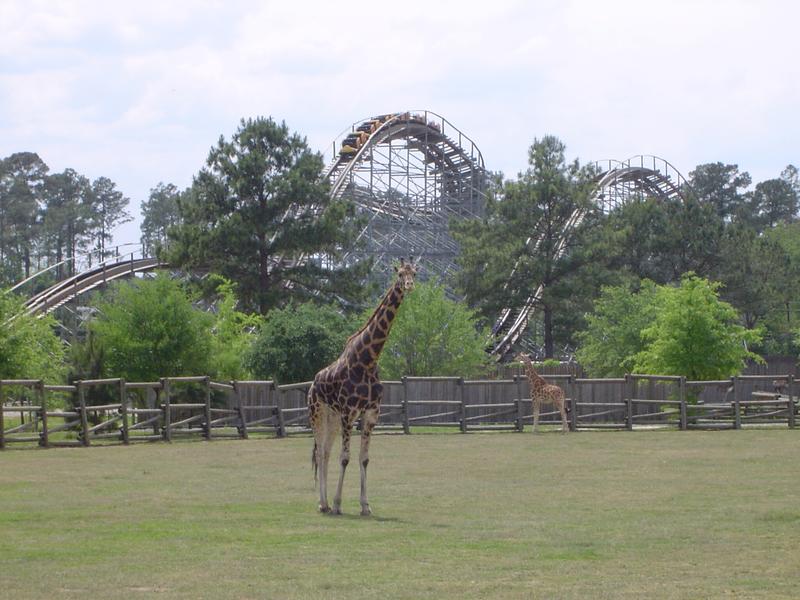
325, 427
344, 459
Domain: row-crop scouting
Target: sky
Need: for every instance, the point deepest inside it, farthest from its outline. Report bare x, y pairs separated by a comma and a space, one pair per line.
140, 91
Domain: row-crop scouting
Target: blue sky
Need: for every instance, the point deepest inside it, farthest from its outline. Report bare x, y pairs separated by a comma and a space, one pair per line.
139, 92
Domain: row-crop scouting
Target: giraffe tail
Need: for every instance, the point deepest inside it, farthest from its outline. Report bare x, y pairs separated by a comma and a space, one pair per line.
314, 462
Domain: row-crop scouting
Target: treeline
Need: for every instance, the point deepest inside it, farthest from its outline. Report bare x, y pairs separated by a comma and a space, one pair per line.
258, 217
724, 229
48, 218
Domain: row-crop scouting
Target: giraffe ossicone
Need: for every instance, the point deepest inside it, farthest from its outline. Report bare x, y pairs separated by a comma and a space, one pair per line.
349, 389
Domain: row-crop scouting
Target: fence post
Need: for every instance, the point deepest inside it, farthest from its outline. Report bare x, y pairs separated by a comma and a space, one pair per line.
573, 399
240, 411
520, 425
463, 421
630, 383
123, 409
44, 439
278, 411
519, 378
737, 417
2, 417
167, 410
790, 401
84, 417
406, 422
682, 425
156, 404
207, 409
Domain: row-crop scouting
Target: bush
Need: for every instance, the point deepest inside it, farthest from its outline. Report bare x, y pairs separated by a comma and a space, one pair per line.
148, 328
297, 341
433, 335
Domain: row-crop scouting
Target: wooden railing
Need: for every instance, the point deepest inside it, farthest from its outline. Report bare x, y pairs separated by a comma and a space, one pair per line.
197, 406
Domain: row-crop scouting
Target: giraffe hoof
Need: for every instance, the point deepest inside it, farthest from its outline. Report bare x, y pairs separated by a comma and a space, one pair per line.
336, 510
366, 511
324, 509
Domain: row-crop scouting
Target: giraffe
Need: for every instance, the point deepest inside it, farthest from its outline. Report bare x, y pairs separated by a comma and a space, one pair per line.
349, 388
543, 393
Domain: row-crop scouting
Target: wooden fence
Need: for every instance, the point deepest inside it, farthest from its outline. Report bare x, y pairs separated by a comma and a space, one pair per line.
197, 406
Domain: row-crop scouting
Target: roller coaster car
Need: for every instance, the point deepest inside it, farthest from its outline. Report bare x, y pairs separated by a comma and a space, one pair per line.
382, 118
347, 152
367, 127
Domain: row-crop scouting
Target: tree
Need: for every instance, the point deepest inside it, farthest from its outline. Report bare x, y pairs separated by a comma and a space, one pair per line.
773, 201
159, 212
67, 216
259, 214
754, 272
148, 328
297, 341
233, 333
29, 347
695, 334
524, 232
720, 185
22, 177
108, 205
612, 338
433, 335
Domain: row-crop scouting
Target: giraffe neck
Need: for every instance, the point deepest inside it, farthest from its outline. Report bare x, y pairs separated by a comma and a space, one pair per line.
535, 379
368, 341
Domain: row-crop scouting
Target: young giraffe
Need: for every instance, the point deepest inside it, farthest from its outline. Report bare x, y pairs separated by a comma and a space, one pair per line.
350, 388
543, 393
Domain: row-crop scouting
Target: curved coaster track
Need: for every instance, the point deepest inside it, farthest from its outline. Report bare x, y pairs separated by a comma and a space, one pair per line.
409, 174
88, 278
617, 183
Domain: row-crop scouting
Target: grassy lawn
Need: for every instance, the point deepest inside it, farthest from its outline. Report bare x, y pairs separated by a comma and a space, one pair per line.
590, 515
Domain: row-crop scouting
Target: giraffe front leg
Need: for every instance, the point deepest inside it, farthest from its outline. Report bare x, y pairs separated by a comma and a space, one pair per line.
563, 407
344, 459
370, 420
536, 404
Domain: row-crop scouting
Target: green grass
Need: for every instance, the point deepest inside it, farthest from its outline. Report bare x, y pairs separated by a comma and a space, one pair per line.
590, 515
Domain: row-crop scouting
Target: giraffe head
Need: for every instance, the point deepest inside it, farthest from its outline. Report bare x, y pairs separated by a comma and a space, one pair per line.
406, 273
522, 357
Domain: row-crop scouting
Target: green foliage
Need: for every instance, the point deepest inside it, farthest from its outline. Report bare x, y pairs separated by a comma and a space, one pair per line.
148, 329
159, 213
433, 335
233, 334
695, 334
665, 330
522, 232
29, 347
297, 341
234, 220
613, 338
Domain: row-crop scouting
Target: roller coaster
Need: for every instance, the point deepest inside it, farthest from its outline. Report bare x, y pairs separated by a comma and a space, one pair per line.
410, 174
616, 183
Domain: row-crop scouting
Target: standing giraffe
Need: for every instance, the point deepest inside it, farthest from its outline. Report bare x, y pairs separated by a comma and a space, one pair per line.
349, 388
543, 393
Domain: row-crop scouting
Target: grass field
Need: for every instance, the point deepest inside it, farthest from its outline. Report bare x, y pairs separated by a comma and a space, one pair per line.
589, 515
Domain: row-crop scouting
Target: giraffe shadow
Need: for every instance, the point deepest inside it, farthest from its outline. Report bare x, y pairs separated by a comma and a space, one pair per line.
357, 517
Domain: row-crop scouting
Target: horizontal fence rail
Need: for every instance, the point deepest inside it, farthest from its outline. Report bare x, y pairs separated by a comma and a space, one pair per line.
124, 412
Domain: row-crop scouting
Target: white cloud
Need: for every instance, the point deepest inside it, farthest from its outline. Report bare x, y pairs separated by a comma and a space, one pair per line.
140, 91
